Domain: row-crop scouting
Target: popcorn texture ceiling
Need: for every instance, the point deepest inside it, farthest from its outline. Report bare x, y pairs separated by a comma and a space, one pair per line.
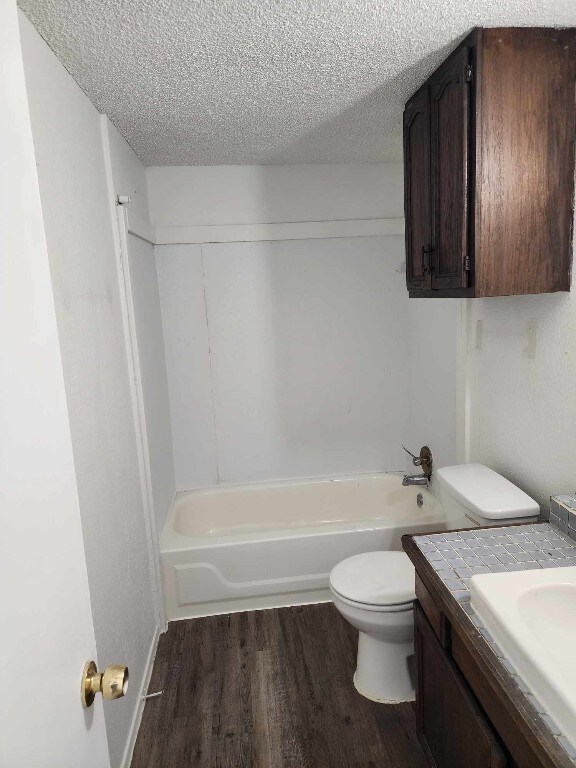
209, 82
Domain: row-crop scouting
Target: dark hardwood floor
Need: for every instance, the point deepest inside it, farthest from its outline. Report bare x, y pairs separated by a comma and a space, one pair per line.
268, 689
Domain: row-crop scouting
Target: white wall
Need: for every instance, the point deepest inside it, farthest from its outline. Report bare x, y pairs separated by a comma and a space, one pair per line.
46, 629
435, 378
81, 249
298, 364
251, 194
150, 341
522, 400
128, 173
127, 176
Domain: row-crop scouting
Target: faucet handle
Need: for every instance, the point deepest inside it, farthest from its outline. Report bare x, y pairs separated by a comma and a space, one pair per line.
416, 460
424, 460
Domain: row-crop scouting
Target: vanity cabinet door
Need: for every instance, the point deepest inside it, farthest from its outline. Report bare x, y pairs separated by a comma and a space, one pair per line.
452, 728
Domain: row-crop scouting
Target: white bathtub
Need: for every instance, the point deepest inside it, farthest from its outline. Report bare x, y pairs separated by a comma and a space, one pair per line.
238, 548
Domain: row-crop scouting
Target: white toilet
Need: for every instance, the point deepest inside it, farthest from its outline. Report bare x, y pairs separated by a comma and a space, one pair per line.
374, 591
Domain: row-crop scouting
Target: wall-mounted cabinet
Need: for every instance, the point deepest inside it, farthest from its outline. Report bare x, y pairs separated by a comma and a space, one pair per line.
489, 167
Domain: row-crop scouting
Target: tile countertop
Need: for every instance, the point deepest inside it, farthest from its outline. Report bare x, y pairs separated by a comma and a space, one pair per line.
458, 555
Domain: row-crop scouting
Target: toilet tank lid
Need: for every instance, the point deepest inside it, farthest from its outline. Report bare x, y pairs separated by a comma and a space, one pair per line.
486, 493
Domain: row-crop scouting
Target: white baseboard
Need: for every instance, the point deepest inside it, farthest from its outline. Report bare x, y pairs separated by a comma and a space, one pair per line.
137, 719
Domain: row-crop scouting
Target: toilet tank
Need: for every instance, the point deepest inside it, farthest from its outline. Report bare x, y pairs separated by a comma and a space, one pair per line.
473, 494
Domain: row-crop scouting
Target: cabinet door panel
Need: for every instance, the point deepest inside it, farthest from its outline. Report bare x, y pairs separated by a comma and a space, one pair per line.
451, 726
417, 190
449, 105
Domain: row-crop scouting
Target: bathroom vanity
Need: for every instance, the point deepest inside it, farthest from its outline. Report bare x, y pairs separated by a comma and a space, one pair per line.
472, 709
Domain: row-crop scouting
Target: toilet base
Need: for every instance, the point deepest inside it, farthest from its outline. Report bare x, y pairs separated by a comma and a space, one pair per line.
383, 671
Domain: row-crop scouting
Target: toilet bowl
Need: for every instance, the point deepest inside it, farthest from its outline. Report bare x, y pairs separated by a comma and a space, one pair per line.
374, 591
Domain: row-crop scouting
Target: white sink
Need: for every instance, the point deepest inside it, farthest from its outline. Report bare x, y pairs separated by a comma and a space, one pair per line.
532, 617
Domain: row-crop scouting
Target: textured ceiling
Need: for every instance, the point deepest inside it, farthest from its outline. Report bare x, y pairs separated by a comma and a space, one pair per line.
203, 82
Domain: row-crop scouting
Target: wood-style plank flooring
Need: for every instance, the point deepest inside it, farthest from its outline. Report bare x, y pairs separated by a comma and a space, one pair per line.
268, 689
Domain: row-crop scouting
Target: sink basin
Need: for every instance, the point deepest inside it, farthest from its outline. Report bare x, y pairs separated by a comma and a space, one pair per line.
532, 617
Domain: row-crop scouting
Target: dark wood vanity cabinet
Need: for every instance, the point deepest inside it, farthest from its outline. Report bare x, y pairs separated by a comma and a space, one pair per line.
489, 167
469, 711
451, 726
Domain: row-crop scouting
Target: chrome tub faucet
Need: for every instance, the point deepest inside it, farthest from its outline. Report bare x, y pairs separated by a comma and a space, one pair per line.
424, 460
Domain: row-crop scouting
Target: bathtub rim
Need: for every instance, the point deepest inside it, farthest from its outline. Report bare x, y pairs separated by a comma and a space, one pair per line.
172, 541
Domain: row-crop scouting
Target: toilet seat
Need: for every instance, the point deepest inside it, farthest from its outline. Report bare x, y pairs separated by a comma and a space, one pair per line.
394, 608
375, 581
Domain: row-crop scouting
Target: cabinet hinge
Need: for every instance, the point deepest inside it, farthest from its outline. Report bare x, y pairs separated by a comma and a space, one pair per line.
468, 73
467, 263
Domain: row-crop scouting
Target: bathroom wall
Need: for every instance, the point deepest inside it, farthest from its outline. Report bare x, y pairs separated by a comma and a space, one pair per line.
128, 173
152, 364
128, 178
80, 238
437, 378
46, 626
521, 374
256, 194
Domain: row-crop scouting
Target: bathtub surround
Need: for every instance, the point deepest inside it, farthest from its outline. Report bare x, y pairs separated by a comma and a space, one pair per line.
301, 359
302, 352
187, 348
298, 358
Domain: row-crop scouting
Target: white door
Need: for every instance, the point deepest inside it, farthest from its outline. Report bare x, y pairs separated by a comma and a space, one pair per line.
46, 629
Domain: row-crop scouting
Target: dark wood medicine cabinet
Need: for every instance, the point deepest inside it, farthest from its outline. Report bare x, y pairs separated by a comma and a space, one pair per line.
489, 167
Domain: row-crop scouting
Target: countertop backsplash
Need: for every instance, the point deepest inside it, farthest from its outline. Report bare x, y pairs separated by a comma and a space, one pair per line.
563, 513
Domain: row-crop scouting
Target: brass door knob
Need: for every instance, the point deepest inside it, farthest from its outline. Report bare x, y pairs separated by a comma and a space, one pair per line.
112, 683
